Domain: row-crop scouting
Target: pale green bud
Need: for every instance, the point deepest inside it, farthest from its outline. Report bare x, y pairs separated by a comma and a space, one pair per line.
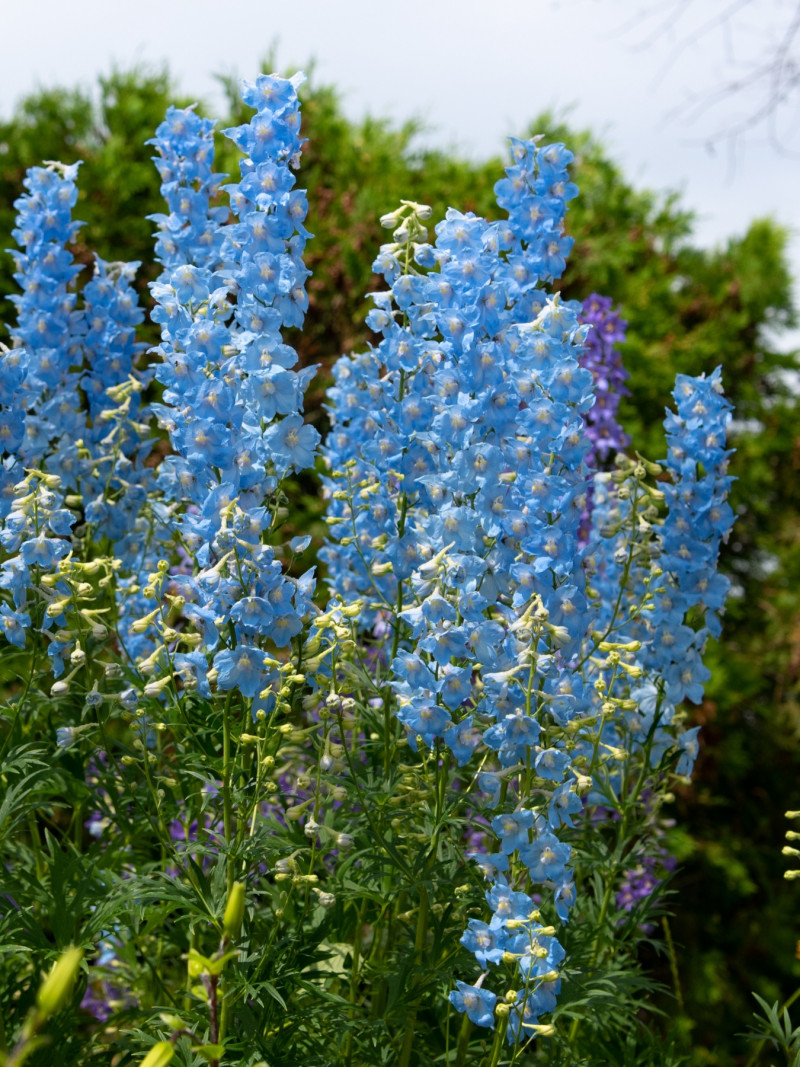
56, 989
234, 911
159, 1055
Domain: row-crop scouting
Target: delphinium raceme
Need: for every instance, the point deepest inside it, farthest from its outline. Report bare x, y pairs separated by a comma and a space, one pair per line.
672, 564
46, 338
602, 358
190, 233
41, 414
459, 477
657, 595
472, 479
53, 440
231, 405
211, 621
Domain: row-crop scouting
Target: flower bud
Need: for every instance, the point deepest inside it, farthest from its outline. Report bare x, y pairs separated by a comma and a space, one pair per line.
143, 624
234, 911
152, 689
541, 1029
583, 784
159, 1055
56, 989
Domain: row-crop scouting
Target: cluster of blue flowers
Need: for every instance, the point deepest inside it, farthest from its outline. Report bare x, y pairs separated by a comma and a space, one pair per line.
232, 402
190, 232
460, 460
461, 441
55, 444
672, 594
41, 374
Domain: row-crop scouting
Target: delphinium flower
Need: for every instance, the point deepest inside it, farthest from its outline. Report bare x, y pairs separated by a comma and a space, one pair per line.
463, 435
46, 337
107, 990
35, 538
487, 280
117, 437
603, 359
190, 233
232, 405
640, 882
698, 519
668, 567
41, 415
56, 381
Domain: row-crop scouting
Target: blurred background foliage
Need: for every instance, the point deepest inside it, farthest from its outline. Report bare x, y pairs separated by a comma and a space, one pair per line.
735, 924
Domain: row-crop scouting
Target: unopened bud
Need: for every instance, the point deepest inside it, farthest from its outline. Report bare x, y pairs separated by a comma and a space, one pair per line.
152, 689
56, 989
541, 1029
234, 911
159, 1055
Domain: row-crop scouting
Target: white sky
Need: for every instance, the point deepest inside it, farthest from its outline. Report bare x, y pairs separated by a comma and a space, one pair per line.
475, 70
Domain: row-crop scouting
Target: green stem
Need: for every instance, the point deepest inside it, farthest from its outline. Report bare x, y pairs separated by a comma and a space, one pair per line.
462, 1045
673, 962
419, 955
497, 1046
227, 800
354, 980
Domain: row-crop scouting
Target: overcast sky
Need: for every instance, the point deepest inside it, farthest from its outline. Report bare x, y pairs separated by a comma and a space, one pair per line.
475, 70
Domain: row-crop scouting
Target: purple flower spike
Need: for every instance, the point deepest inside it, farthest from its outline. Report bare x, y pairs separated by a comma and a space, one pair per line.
604, 361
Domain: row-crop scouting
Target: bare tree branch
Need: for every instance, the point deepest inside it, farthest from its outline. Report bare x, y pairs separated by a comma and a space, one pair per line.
763, 51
